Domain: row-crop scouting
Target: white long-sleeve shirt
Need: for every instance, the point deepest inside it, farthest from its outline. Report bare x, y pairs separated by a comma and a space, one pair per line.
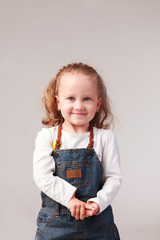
105, 146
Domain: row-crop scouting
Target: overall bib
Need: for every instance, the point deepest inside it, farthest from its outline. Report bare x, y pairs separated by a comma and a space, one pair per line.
82, 169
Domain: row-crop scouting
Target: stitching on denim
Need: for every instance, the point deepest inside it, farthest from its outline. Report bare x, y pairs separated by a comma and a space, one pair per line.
53, 211
50, 200
79, 236
105, 226
97, 159
88, 179
59, 168
76, 161
72, 164
46, 227
74, 150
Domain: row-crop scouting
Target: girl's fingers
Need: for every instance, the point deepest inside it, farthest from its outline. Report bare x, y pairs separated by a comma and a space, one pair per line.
73, 211
82, 212
95, 205
77, 212
89, 206
88, 213
92, 208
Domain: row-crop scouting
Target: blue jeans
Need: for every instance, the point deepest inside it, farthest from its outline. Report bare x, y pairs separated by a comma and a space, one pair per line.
55, 221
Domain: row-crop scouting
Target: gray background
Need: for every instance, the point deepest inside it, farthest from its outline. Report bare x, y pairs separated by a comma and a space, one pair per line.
121, 39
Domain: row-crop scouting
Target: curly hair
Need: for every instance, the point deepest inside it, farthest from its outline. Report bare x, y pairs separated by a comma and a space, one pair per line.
102, 119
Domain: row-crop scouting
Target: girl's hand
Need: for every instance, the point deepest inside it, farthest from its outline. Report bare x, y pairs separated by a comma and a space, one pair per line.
80, 209
77, 208
92, 208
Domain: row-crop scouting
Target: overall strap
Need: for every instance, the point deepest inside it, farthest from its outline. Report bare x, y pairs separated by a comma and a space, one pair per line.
58, 141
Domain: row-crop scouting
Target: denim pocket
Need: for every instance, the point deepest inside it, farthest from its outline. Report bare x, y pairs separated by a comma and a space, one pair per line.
44, 221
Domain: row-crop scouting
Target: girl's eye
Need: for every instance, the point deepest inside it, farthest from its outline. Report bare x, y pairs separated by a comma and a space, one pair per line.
71, 98
87, 99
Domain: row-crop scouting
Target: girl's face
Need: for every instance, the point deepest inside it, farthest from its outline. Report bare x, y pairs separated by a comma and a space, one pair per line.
77, 100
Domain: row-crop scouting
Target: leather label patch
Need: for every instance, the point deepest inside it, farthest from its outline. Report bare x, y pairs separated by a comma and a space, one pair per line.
75, 173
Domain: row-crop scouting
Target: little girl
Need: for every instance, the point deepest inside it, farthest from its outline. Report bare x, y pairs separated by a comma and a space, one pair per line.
76, 159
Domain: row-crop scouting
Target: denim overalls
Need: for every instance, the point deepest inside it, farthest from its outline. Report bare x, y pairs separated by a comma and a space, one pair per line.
81, 168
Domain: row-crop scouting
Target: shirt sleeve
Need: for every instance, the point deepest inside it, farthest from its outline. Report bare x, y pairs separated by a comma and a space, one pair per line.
44, 167
111, 173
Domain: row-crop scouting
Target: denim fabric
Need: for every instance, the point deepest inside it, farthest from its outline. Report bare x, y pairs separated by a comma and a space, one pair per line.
55, 221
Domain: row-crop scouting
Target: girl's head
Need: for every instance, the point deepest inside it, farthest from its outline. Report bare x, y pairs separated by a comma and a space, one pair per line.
77, 89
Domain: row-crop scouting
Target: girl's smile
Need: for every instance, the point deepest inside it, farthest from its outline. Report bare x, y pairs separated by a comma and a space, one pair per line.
77, 100
79, 114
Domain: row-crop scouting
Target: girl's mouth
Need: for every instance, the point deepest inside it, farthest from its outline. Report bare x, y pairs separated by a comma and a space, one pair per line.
79, 114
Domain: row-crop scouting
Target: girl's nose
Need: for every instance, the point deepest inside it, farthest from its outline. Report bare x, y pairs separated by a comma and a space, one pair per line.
79, 105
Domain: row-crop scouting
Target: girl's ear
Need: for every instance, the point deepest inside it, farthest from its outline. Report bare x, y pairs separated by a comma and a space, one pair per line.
57, 101
99, 102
